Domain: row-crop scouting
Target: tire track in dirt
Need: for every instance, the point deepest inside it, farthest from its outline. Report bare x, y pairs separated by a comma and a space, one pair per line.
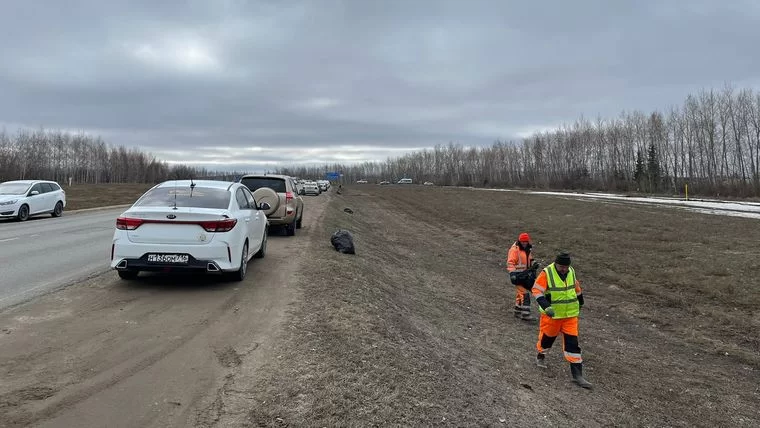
106, 379
234, 398
94, 381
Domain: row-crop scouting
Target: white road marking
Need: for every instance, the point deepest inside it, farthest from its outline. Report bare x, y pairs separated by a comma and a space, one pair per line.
8, 239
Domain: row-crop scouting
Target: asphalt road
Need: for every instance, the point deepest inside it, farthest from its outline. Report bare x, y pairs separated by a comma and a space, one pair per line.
44, 253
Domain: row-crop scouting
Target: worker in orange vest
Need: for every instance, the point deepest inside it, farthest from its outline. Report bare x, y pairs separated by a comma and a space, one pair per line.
559, 297
522, 273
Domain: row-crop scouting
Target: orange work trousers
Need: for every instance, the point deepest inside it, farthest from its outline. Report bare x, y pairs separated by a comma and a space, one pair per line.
548, 330
522, 296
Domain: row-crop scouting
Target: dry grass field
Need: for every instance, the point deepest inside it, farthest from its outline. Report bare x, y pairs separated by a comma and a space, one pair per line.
416, 328
83, 196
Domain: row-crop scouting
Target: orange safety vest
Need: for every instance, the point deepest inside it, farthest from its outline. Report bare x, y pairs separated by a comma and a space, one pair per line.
518, 259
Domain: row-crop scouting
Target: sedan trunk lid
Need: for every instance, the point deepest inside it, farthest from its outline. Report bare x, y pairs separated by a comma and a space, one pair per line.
164, 225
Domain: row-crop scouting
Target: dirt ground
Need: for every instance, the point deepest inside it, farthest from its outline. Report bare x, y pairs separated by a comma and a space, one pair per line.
158, 351
414, 330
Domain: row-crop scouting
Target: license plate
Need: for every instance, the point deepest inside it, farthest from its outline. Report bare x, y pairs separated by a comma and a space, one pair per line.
168, 258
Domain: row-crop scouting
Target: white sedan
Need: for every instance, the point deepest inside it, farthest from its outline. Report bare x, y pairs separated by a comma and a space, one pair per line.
311, 188
184, 225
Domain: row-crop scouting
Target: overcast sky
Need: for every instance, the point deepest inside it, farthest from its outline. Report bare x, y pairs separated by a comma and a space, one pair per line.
253, 83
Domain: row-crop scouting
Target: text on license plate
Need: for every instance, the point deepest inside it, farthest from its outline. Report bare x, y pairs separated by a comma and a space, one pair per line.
168, 258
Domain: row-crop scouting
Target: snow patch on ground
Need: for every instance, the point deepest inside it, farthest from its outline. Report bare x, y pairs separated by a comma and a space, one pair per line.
706, 206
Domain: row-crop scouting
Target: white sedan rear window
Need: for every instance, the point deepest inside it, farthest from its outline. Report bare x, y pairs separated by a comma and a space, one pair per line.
199, 197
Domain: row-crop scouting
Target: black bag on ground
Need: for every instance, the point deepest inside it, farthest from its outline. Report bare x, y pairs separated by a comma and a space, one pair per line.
343, 241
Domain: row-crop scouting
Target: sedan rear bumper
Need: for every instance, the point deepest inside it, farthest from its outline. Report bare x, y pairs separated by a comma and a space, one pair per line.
134, 256
192, 265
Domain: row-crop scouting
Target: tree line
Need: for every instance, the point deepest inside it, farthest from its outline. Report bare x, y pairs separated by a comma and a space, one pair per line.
56, 155
711, 142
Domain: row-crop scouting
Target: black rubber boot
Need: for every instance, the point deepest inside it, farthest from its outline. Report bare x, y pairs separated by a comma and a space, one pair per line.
541, 360
577, 370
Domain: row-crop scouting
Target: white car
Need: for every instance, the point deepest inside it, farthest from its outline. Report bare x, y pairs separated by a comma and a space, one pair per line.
311, 188
24, 198
184, 225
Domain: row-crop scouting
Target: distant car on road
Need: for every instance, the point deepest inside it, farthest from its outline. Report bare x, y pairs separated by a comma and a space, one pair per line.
428, 183
323, 185
283, 196
183, 225
405, 181
25, 198
362, 181
311, 188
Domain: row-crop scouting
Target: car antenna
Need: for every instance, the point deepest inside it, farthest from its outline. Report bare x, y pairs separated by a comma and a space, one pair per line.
175, 194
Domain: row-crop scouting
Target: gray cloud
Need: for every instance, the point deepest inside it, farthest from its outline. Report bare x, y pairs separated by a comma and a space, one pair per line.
331, 80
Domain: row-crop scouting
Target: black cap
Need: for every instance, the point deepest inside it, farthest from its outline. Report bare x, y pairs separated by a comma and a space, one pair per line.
562, 259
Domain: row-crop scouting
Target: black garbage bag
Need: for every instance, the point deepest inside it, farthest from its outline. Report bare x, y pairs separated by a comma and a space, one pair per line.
343, 242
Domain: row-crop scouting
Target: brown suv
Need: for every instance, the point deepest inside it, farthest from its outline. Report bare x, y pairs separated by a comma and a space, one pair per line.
282, 195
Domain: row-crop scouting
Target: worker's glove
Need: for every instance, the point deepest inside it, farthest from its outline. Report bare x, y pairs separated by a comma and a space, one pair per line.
535, 266
549, 311
513, 277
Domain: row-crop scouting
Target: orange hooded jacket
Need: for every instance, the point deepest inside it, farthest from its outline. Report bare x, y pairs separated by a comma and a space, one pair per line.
518, 259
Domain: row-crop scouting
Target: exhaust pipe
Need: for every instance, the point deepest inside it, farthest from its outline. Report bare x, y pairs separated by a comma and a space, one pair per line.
212, 267
122, 265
